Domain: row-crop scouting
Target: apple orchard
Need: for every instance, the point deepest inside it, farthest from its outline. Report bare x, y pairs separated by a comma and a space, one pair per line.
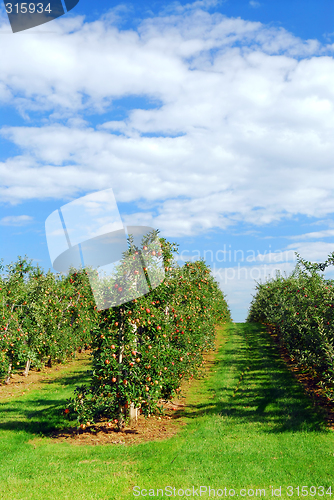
141, 350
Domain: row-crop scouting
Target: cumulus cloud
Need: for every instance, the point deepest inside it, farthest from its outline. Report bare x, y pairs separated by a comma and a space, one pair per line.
241, 130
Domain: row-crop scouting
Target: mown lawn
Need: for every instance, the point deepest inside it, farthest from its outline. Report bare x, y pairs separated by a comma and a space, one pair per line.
249, 425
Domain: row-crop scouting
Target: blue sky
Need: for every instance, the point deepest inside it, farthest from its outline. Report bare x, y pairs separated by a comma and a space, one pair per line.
211, 121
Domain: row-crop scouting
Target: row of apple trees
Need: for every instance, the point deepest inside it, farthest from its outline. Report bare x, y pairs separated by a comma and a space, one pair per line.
144, 348
43, 318
300, 309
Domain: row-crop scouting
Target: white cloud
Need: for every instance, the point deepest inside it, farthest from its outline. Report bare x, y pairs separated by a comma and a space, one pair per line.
327, 233
15, 220
313, 251
198, 4
254, 4
248, 110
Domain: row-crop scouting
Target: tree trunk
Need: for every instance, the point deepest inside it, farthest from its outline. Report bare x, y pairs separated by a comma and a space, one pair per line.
27, 368
133, 414
120, 424
50, 362
7, 381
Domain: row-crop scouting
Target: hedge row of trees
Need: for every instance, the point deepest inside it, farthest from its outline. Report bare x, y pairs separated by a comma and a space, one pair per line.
300, 309
143, 349
45, 318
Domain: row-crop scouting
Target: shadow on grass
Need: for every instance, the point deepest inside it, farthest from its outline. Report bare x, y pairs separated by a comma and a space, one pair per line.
42, 415
252, 385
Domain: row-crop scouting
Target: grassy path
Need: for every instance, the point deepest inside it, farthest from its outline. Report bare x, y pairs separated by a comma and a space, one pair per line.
249, 425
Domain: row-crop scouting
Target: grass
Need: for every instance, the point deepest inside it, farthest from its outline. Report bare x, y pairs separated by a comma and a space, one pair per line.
249, 425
